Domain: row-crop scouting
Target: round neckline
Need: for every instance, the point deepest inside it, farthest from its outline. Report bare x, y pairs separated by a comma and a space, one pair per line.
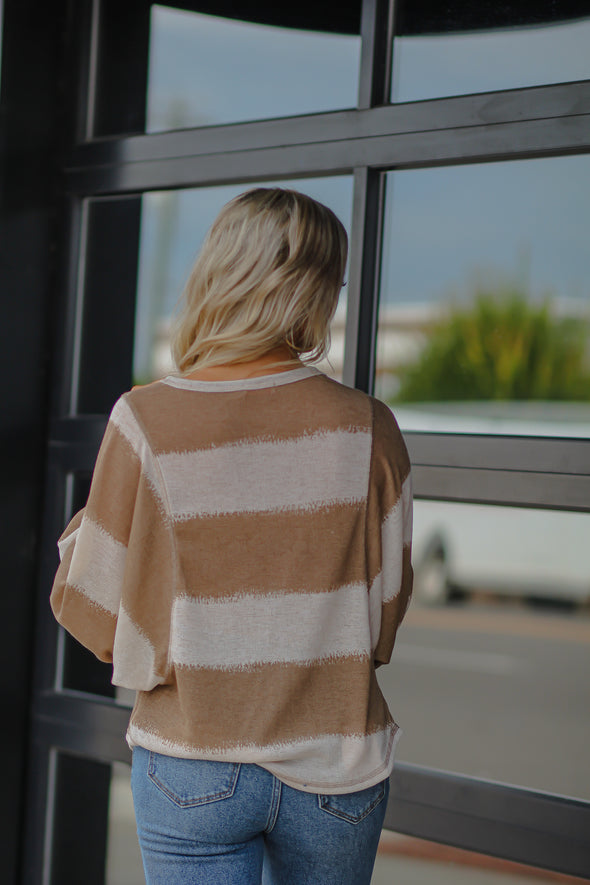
257, 382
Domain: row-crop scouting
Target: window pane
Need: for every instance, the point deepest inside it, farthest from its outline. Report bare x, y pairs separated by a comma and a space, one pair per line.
489, 674
420, 862
109, 271
484, 320
206, 70
173, 226
479, 49
123, 862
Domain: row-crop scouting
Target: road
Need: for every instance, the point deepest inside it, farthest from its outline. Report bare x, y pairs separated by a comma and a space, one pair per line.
495, 690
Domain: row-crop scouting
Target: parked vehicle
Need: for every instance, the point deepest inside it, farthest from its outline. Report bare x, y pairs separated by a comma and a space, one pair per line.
513, 551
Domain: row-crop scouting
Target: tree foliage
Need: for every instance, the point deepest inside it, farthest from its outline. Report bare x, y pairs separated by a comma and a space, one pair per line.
501, 347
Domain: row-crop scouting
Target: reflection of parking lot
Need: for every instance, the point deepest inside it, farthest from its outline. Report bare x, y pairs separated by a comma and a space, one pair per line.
495, 689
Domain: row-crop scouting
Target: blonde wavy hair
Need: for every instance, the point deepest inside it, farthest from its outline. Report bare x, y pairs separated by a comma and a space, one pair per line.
269, 273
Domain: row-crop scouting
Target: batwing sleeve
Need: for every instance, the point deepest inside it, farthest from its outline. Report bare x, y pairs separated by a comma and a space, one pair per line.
389, 532
113, 585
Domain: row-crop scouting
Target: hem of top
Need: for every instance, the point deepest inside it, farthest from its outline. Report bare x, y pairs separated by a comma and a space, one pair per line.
327, 789
258, 382
322, 787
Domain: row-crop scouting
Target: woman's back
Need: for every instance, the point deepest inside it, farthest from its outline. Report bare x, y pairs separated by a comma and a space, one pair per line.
244, 562
252, 621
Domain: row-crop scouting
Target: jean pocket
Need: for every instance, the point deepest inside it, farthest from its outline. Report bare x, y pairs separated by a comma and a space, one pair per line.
192, 782
354, 807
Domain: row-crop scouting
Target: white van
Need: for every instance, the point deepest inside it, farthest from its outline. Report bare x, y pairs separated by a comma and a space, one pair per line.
505, 550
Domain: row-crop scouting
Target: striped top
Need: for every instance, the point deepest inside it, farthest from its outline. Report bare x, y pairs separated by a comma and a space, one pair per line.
243, 561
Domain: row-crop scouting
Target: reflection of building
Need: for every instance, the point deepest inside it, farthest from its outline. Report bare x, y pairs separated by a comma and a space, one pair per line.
161, 359
403, 331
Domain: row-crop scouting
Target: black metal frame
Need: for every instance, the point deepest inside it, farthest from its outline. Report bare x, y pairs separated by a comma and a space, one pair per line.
506, 821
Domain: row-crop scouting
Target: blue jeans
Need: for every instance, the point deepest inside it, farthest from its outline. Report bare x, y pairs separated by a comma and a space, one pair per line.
225, 823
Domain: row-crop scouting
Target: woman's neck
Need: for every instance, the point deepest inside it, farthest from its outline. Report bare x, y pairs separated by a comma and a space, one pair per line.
279, 359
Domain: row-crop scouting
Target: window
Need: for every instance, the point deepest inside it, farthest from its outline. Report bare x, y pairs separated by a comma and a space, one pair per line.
447, 200
484, 318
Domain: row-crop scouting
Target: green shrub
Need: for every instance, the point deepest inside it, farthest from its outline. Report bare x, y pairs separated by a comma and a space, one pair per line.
500, 347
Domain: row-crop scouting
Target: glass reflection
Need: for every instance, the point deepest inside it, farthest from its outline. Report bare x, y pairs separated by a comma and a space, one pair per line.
206, 70
173, 226
484, 321
420, 862
488, 676
123, 862
454, 61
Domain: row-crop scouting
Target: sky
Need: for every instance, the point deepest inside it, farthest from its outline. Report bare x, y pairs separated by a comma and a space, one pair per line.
209, 70
455, 64
524, 221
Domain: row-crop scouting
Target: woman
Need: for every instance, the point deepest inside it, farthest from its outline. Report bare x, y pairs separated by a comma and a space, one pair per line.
244, 562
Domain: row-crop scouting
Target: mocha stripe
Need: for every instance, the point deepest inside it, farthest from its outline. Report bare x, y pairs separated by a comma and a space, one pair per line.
212, 419
390, 455
272, 703
151, 573
318, 550
396, 532
248, 630
265, 476
393, 612
390, 469
92, 626
113, 492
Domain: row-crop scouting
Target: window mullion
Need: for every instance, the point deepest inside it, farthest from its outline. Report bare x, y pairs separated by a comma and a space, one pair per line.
376, 41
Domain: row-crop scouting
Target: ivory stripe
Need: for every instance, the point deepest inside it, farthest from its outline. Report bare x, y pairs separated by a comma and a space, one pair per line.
67, 543
258, 382
124, 420
301, 763
293, 627
134, 656
97, 566
251, 477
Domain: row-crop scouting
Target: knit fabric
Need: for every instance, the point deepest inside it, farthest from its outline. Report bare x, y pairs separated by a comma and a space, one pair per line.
244, 562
